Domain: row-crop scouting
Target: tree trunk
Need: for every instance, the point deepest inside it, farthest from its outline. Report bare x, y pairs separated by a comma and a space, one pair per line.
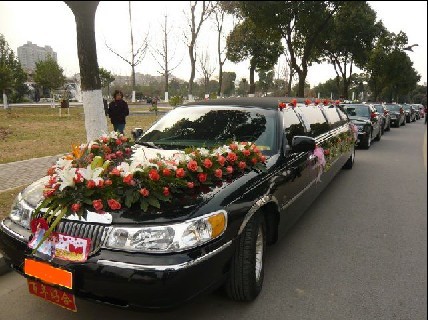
220, 80
302, 79
95, 120
193, 66
252, 84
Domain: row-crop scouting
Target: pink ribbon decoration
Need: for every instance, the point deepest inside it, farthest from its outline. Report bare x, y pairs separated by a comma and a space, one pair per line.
354, 129
319, 153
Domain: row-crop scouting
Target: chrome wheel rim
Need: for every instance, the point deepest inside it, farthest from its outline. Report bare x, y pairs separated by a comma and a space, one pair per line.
259, 253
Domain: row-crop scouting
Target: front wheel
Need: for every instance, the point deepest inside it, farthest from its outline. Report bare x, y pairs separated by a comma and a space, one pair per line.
247, 270
350, 163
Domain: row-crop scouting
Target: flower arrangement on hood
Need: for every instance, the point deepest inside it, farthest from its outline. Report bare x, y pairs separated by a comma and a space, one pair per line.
110, 174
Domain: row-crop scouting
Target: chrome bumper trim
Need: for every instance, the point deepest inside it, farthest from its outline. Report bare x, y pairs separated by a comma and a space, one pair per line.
172, 267
12, 233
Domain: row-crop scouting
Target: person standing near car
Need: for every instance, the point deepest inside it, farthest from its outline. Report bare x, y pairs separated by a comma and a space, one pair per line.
117, 111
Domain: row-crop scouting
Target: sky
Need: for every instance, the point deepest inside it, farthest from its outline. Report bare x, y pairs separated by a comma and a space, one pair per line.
52, 23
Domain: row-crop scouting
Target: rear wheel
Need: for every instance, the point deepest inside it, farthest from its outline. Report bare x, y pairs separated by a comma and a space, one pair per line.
350, 163
379, 134
368, 142
389, 126
247, 270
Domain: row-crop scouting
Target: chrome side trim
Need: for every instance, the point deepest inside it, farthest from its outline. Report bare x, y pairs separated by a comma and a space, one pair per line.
256, 206
12, 233
299, 194
173, 267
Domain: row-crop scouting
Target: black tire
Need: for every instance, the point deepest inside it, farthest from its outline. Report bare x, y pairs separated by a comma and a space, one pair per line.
350, 163
398, 124
368, 142
244, 283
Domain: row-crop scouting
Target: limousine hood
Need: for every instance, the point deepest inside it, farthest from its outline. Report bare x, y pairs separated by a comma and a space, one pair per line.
359, 120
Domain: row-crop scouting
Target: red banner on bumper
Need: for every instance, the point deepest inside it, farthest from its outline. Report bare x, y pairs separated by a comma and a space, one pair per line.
54, 295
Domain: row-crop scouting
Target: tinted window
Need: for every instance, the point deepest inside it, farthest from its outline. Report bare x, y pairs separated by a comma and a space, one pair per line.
342, 114
207, 126
313, 117
357, 110
292, 124
393, 107
332, 117
379, 108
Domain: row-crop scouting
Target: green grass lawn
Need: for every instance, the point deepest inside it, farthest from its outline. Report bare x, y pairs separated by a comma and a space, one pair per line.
31, 132
6, 199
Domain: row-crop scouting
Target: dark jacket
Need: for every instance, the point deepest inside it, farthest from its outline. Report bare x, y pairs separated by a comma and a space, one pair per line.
117, 111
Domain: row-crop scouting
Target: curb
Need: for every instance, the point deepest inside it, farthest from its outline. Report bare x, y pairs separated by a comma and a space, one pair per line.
4, 268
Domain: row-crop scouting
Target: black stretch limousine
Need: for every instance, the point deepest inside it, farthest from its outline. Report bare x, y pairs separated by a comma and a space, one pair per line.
304, 147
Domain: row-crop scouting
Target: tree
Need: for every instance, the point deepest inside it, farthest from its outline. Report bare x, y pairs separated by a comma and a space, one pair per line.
49, 74
262, 47
351, 38
228, 83
165, 62
304, 25
137, 56
206, 69
12, 77
195, 25
95, 120
266, 80
106, 78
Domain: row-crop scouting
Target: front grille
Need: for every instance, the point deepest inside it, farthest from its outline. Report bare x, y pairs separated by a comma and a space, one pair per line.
95, 232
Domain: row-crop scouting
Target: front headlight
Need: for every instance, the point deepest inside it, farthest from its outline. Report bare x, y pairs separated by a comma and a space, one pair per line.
360, 128
20, 212
169, 238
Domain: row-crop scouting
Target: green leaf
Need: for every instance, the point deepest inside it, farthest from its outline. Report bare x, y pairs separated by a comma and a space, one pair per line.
144, 206
153, 202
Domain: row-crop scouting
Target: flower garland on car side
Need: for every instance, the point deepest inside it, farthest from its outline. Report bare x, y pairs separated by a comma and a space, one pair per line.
107, 175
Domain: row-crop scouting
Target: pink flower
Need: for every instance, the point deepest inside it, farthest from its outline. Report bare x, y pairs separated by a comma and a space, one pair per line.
144, 192
246, 152
254, 160
115, 172
208, 163
108, 182
221, 160
118, 142
154, 175
229, 169
97, 204
95, 147
218, 173
233, 147
202, 177
231, 157
113, 204
119, 154
100, 184
128, 151
75, 207
190, 185
166, 172
128, 179
242, 165
91, 184
192, 165
180, 173
166, 191
262, 158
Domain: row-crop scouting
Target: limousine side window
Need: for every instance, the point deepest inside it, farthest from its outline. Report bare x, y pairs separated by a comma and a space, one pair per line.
342, 114
315, 119
293, 126
333, 117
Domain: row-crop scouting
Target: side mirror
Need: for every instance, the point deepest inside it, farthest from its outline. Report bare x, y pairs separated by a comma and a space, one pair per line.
303, 144
137, 132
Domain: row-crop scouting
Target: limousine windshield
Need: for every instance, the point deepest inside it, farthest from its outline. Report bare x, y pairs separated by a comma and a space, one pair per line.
202, 126
357, 111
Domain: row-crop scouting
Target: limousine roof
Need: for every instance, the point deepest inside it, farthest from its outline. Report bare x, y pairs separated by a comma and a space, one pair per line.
265, 102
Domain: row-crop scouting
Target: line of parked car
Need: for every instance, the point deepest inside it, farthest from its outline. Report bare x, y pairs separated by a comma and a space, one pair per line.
374, 119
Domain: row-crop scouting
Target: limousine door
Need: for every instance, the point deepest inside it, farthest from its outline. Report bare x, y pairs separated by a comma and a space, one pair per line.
296, 172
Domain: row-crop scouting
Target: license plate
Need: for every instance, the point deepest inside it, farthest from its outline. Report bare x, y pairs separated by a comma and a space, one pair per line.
61, 298
48, 273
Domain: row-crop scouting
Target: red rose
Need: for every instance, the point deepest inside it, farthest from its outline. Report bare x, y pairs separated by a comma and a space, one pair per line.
231, 157
91, 184
97, 204
166, 191
38, 223
244, 143
154, 175
113, 204
229, 169
144, 192
119, 154
118, 142
128, 150
75, 207
208, 163
180, 173
246, 152
192, 165
242, 165
95, 146
221, 160
326, 152
202, 177
254, 160
108, 182
262, 158
256, 150
190, 185
128, 179
107, 150
233, 147
51, 171
78, 178
100, 184
48, 193
166, 172
123, 138
115, 172
218, 173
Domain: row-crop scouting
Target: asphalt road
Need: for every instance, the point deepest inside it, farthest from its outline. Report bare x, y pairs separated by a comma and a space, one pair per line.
359, 252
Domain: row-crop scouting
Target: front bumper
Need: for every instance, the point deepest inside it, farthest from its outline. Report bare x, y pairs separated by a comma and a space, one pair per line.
133, 279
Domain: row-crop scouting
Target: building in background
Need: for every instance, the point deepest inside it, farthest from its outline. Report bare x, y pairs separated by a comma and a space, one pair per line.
29, 54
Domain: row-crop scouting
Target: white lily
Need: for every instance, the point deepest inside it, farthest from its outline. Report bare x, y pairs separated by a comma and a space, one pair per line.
66, 178
92, 174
